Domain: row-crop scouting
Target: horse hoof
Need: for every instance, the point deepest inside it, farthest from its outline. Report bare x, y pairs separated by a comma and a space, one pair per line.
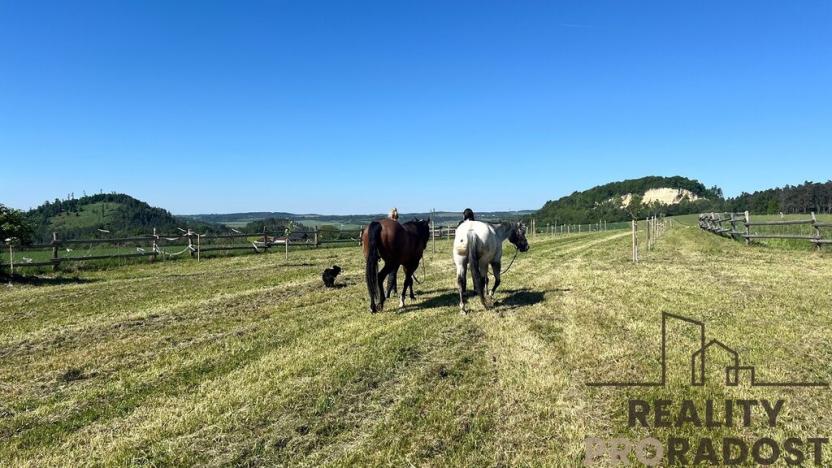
401, 304
379, 307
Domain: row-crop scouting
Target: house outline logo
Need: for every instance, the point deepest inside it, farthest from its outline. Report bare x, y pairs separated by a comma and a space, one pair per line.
697, 363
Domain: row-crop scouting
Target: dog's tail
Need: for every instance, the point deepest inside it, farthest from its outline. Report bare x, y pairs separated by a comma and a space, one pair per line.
371, 270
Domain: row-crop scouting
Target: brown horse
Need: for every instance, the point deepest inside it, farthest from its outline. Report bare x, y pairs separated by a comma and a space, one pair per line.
398, 245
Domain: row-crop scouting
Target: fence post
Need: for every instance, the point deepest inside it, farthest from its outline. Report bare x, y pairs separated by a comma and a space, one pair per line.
817, 230
55, 260
155, 246
11, 261
190, 235
316, 237
747, 228
433, 231
733, 225
287, 246
635, 242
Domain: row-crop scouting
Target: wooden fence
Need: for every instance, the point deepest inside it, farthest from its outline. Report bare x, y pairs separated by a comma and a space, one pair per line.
725, 224
153, 246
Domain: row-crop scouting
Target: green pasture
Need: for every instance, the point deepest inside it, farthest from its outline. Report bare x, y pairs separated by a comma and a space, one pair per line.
248, 360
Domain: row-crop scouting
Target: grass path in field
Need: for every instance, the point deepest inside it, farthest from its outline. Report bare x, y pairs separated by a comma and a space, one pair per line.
247, 360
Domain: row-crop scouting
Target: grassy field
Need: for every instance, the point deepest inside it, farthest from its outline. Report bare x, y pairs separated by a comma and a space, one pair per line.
248, 360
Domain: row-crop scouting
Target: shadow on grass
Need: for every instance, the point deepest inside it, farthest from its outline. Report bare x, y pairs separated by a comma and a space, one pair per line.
45, 280
521, 298
450, 298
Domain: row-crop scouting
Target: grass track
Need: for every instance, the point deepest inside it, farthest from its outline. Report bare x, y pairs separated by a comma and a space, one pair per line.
247, 360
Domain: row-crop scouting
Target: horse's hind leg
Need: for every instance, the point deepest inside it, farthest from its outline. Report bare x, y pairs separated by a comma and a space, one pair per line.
381, 276
483, 289
391, 283
495, 267
408, 283
460, 281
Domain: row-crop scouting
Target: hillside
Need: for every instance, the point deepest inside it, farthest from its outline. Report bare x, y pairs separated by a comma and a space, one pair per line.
347, 221
117, 213
620, 201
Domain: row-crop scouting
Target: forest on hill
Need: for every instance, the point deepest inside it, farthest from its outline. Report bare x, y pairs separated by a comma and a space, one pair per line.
604, 202
804, 198
104, 215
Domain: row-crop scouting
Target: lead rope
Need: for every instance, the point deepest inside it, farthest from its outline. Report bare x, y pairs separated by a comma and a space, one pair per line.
516, 250
424, 273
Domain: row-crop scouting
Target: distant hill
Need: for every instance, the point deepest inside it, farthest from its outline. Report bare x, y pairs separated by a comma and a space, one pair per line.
239, 220
620, 201
121, 215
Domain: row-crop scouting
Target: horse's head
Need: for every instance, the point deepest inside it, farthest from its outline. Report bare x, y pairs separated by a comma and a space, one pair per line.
518, 237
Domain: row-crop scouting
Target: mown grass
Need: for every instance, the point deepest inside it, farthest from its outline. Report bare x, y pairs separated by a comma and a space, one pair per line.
247, 360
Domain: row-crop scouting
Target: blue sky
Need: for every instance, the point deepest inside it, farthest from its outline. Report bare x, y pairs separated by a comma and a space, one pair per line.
353, 107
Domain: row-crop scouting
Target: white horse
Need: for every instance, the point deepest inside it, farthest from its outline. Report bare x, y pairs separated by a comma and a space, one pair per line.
478, 245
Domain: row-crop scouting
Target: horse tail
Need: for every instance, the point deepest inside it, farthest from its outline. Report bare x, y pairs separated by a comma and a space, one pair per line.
371, 271
474, 260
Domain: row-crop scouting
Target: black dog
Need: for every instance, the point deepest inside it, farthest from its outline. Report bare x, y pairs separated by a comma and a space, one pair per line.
329, 276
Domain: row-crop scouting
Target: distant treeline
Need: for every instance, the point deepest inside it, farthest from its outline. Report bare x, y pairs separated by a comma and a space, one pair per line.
604, 202
804, 198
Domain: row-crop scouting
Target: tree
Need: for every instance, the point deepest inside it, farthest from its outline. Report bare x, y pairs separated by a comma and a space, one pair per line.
14, 225
634, 207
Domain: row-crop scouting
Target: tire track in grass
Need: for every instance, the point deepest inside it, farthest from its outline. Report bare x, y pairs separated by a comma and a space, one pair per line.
136, 386
108, 349
440, 414
37, 427
539, 413
153, 318
320, 367
164, 416
19, 319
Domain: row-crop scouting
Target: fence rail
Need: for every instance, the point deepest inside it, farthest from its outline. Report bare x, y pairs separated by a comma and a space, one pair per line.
715, 223
194, 246
154, 246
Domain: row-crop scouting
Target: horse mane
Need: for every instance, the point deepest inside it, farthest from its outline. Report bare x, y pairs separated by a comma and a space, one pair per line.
414, 225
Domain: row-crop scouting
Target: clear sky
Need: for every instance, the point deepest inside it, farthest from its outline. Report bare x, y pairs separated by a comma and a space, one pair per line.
353, 107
